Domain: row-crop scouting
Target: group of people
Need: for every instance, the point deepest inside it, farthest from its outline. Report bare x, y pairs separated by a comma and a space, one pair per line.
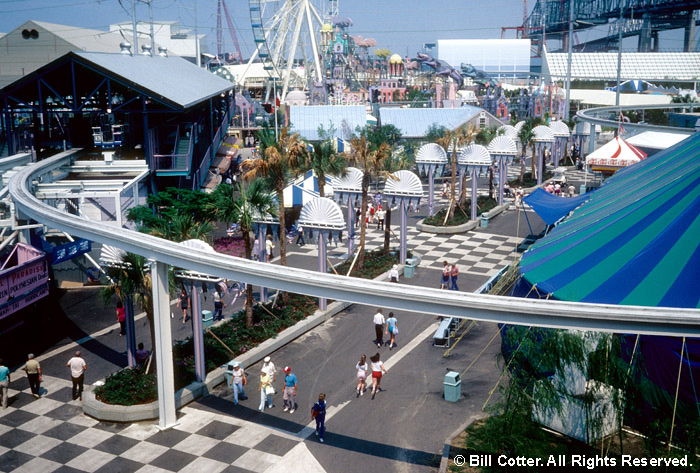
385, 326
450, 273
363, 369
556, 189
375, 214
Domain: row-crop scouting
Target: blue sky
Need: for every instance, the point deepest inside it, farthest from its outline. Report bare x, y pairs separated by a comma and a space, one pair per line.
400, 26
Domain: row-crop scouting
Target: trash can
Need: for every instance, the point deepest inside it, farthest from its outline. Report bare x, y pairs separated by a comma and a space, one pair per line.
453, 386
229, 372
582, 189
484, 220
207, 318
409, 268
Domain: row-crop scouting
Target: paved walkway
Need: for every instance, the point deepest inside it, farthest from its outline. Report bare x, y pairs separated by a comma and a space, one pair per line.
402, 430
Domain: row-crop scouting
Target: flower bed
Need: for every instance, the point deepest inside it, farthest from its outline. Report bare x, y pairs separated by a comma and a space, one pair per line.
461, 214
130, 386
233, 246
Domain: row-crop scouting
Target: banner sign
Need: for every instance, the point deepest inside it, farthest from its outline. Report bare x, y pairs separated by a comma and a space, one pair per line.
70, 250
24, 301
28, 271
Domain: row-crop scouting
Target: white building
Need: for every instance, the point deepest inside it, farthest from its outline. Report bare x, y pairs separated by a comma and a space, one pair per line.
179, 41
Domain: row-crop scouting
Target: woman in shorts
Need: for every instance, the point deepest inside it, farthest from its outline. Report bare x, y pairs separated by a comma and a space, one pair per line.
362, 369
446, 271
377, 369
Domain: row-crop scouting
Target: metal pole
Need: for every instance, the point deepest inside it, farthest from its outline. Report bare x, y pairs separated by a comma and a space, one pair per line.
150, 17
351, 223
196, 38
164, 346
431, 186
474, 197
133, 26
274, 101
567, 105
322, 268
403, 244
502, 175
619, 58
130, 330
262, 256
198, 333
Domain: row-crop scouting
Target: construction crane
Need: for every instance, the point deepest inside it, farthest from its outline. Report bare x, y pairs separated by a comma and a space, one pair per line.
220, 33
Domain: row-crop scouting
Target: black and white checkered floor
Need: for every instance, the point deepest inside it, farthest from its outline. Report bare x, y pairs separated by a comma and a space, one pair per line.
52, 434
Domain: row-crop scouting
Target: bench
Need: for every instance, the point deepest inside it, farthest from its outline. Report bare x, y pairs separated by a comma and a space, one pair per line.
444, 332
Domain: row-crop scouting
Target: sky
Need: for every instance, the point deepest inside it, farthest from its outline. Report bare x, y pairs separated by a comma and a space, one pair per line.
402, 26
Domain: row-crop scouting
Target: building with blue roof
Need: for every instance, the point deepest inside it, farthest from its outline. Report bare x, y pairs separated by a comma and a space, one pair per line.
415, 122
344, 119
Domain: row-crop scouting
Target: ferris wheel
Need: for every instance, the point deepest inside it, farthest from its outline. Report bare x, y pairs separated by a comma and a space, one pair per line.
286, 34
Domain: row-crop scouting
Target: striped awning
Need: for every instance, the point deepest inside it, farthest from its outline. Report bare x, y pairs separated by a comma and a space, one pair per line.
634, 242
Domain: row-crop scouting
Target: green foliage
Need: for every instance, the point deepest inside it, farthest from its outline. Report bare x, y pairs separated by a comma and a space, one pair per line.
485, 135
382, 53
435, 132
378, 135
170, 203
461, 214
656, 117
128, 387
376, 263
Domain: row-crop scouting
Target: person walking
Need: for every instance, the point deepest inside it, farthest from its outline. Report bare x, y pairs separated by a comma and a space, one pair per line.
394, 273
183, 303
5, 381
446, 271
454, 274
318, 412
33, 370
77, 371
379, 327
392, 328
269, 246
265, 390
121, 318
300, 236
269, 368
238, 380
362, 368
218, 305
290, 390
381, 215
377, 369
141, 355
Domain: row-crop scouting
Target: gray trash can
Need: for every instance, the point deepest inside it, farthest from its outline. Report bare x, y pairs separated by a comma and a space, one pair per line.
207, 318
453, 386
484, 220
409, 268
229, 372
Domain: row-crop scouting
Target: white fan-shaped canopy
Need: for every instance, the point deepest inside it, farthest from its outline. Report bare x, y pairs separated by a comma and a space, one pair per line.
351, 182
111, 255
543, 133
502, 145
518, 126
474, 155
509, 131
405, 184
323, 214
198, 244
431, 153
559, 129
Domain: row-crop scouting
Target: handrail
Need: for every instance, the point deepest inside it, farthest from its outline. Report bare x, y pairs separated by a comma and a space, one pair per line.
584, 116
545, 313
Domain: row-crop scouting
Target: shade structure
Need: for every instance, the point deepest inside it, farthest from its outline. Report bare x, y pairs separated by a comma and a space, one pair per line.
431, 157
503, 150
544, 138
508, 131
635, 242
474, 159
404, 190
614, 155
348, 190
552, 208
561, 134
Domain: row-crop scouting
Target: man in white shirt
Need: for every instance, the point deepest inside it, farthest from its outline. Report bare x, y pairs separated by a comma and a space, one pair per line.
77, 371
269, 369
379, 327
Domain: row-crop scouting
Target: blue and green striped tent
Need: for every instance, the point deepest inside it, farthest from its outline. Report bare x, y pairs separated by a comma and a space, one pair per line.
636, 241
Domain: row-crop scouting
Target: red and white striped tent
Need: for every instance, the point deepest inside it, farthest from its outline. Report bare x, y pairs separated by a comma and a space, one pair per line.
613, 156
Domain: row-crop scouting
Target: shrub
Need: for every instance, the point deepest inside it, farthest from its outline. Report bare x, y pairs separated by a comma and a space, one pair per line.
128, 387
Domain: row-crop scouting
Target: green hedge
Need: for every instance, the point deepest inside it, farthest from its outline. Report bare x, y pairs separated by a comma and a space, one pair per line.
128, 387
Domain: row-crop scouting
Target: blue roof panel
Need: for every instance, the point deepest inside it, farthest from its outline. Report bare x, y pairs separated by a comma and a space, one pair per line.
305, 120
415, 122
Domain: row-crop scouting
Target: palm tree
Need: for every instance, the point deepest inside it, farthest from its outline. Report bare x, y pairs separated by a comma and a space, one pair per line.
323, 161
280, 159
527, 138
369, 162
398, 161
181, 227
253, 199
457, 139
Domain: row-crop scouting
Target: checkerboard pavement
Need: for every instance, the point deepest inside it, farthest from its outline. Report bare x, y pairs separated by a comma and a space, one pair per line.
52, 435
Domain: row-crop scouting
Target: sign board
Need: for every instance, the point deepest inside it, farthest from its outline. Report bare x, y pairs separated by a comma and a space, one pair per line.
24, 281
24, 301
70, 250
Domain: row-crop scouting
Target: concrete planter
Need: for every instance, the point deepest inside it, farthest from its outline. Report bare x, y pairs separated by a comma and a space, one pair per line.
108, 412
465, 227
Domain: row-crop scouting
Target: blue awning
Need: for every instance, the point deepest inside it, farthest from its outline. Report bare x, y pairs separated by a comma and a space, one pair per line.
552, 208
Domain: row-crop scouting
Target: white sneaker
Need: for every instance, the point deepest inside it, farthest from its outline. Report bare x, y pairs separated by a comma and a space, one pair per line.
291, 411
321, 440
286, 408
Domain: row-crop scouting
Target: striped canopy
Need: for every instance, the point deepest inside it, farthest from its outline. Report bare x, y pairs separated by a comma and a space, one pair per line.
634, 242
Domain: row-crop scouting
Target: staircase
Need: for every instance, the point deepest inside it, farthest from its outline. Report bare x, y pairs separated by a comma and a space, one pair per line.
182, 156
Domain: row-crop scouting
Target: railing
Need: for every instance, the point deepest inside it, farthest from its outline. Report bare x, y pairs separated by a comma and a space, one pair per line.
201, 172
589, 115
168, 162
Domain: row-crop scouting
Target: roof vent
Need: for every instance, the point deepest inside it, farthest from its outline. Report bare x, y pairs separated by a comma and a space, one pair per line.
162, 51
126, 47
146, 49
